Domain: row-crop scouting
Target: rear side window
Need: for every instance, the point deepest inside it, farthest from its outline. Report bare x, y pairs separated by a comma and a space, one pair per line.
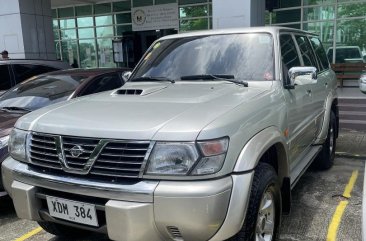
5, 82
103, 83
25, 71
320, 53
306, 51
290, 58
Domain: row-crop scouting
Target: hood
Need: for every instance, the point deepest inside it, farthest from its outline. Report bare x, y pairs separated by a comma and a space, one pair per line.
7, 121
142, 111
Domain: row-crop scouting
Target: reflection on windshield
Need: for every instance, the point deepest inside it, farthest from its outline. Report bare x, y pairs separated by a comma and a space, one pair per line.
245, 56
40, 92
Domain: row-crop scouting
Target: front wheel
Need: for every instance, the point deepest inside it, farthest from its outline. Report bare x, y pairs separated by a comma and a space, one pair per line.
264, 210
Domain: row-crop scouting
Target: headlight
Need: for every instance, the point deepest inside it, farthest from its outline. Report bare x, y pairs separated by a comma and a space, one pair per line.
172, 158
17, 144
184, 158
4, 141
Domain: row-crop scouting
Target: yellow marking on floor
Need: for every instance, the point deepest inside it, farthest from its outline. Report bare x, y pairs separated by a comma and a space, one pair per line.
350, 185
337, 216
29, 234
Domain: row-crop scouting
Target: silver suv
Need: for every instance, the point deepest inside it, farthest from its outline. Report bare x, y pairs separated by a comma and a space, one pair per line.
205, 141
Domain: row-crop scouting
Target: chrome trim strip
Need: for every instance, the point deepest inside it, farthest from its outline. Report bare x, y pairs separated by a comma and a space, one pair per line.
139, 192
146, 158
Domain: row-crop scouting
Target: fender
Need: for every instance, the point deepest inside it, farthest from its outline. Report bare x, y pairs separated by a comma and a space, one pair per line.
258, 145
322, 136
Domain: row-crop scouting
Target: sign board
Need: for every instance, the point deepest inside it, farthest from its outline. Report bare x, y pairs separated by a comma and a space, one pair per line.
163, 16
118, 51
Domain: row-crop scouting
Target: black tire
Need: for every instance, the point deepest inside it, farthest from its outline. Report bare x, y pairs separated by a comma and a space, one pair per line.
325, 158
64, 231
265, 181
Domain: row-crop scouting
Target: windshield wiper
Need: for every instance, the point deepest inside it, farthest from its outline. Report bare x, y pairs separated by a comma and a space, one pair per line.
15, 108
220, 77
152, 78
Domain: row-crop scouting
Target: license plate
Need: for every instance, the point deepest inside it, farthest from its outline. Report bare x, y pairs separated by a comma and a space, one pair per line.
78, 212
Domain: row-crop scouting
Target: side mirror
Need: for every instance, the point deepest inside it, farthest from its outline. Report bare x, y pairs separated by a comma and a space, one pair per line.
362, 83
302, 76
126, 75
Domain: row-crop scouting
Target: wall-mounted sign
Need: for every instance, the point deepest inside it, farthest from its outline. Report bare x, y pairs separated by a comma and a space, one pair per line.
164, 16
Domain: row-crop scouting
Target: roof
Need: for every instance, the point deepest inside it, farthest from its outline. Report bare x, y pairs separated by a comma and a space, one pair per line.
272, 30
54, 63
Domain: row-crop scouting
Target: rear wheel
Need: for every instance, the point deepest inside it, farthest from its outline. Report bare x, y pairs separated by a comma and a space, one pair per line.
264, 210
325, 158
64, 231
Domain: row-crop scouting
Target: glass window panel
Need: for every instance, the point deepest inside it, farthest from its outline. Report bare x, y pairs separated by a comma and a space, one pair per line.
193, 11
69, 51
68, 34
103, 20
65, 12
140, 3
86, 33
105, 31
84, 10
296, 26
85, 22
289, 55
102, 8
123, 18
267, 20
55, 24
286, 16
88, 53
56, 34
57, 49
122, 6
193, 24
351, 34
290, 3
105, 53
319, 13
323, 29
351, 10
164, 1
182, 2
54, 13
67, 23
120, 29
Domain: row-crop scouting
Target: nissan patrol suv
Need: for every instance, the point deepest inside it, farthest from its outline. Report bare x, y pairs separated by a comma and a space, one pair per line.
204, 142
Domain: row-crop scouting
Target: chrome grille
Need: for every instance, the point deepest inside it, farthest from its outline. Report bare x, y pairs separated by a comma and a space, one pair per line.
88, 145
116, 158
121, 159
43, 151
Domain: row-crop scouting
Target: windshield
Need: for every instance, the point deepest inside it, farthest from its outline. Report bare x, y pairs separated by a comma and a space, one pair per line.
40, 92
244, 56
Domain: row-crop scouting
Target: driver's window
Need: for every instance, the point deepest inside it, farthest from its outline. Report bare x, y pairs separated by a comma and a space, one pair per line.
290, 57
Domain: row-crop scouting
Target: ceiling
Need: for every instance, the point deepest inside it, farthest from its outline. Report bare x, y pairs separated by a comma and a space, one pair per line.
64, 3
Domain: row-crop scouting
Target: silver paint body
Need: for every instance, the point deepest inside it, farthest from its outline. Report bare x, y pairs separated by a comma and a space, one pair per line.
210, 207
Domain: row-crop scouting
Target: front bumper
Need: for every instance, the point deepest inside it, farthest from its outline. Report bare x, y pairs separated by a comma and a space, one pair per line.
147, 210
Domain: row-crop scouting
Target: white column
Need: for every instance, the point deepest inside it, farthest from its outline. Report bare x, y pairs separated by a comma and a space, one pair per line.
26, 29
238, 13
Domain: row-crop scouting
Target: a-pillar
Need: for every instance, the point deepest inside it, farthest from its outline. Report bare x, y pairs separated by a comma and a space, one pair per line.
238, 13
26, 29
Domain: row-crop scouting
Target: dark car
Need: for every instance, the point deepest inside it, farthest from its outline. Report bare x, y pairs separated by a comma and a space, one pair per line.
50, 88
15, 71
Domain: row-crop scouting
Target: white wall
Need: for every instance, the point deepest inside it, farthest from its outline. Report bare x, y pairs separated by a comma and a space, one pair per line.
26, 29
237, 13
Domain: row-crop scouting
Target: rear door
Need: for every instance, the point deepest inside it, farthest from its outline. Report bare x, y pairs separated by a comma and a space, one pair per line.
324, 80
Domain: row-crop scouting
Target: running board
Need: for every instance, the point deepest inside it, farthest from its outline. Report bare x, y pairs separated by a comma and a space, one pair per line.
304, 164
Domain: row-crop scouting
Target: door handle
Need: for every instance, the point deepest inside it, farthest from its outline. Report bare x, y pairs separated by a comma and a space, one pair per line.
308, 92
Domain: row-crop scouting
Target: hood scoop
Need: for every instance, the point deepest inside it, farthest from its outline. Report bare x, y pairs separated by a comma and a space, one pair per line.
129, 92
141, 90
